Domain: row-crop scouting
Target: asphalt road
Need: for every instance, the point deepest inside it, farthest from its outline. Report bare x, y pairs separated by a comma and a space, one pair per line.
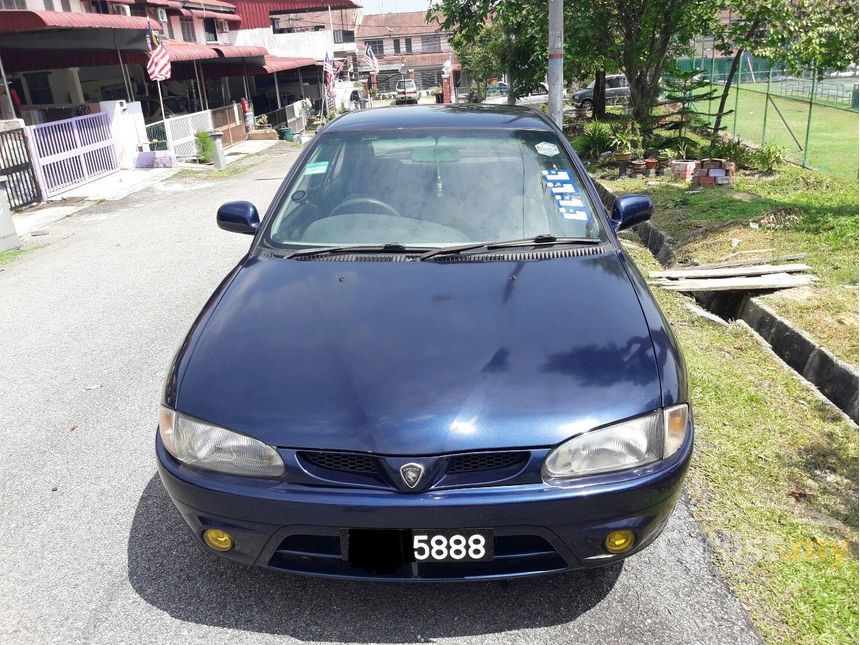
91, 549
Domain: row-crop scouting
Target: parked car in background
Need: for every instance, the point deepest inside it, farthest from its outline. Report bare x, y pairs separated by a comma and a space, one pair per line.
435, 362
405, 91
617, 91
536, 97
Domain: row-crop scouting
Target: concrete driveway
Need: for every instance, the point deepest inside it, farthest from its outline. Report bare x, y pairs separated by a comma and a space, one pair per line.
91, 549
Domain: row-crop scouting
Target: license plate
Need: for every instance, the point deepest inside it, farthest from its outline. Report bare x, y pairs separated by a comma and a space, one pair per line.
452, 545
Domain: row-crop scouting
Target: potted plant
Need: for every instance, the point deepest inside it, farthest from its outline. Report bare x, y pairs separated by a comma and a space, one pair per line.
581, 112
625, 138
650, 163
637, 167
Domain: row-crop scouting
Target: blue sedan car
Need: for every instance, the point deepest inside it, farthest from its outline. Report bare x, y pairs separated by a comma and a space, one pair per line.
435, 362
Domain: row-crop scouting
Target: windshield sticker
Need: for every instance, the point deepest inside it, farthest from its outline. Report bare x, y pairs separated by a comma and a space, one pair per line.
316, 168
556, 175
559, 188
577, 215
571, 202
546, 149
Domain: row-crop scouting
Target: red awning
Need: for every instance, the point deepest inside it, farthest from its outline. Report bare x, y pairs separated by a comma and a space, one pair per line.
273, 64
239, 51
121, 1
25, 21
188, 51
229, 17
211, 3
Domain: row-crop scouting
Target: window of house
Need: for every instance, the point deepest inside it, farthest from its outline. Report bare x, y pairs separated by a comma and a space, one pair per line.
396, 45
98, 6
39, 88
408, 44
375, 46
343, 36
168, 26
431, 43
13, 4
187, 26
49, 5
209, 30
66, 5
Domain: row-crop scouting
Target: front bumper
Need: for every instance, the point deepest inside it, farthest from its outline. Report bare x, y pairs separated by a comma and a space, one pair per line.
539, 529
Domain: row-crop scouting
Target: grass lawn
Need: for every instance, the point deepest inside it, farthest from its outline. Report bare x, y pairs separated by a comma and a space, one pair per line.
798, 211
832, 139
773, 481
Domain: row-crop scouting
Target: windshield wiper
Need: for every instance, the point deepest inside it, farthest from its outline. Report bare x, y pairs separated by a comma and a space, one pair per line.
545, 239
331, 250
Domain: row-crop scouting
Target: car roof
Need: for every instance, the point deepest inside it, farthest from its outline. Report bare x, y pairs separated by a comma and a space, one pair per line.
502, 117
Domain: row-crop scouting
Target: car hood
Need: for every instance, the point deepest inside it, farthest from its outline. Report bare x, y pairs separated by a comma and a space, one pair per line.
416, 358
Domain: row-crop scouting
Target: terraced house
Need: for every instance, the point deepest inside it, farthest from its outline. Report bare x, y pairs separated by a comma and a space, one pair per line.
406, 45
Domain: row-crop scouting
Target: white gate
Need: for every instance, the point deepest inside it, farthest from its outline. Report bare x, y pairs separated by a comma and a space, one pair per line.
181, 130
71, 152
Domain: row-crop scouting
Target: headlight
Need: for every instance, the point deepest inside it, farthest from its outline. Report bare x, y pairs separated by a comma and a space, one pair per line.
203, 445
628, 444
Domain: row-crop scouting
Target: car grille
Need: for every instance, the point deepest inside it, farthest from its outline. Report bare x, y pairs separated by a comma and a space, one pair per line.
484, 461
345, 462
514, 555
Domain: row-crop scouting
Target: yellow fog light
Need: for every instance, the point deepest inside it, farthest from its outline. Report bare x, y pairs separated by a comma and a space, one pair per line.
217, 539
619, 541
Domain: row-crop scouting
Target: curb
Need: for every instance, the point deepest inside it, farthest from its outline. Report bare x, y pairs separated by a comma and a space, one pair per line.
835, 379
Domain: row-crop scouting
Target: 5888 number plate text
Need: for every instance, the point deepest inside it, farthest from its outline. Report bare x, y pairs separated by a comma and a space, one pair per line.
452, 545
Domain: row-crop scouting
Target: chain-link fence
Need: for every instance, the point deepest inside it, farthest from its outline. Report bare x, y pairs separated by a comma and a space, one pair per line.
815, 121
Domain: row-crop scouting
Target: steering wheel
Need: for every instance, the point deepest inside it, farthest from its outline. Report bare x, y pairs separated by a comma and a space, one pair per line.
367, 200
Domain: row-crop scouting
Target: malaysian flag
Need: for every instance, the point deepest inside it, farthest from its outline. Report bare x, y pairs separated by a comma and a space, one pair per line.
330, 71
158, 67
370, 59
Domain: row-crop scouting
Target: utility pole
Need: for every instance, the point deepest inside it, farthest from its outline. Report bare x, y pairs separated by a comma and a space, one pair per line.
555, 76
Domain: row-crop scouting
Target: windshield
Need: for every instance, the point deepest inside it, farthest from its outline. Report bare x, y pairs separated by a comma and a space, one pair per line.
405, 85
431, 189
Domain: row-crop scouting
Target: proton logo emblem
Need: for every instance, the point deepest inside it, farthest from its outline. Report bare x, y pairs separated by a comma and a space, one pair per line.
411, 474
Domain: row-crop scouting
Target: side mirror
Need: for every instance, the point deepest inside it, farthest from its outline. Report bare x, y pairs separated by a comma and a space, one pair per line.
239, 217
630, 210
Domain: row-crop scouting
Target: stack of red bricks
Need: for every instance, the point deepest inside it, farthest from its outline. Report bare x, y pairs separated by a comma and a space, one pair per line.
714, 172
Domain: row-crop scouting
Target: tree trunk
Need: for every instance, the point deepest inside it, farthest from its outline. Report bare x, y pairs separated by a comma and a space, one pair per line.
512, 99
640, 99
598, 101
726, 89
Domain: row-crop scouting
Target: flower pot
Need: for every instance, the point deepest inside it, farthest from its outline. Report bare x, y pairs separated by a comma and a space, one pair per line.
622, 156
637, 168
650, 163
581, 112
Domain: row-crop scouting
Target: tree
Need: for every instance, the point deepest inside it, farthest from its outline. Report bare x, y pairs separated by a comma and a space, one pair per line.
815, 34
482, 57
523, 24
636, 37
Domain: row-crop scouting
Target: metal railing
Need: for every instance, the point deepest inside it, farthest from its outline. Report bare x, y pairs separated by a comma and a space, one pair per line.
293, 116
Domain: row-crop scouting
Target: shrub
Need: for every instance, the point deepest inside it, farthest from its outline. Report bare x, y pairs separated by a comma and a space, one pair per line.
596, 138
769, 157
205, 147
733, 150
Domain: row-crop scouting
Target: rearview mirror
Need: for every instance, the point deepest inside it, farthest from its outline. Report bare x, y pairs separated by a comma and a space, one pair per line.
630, 210
239, 217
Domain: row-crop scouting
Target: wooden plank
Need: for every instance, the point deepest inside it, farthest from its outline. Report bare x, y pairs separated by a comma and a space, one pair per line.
748, 261
728, 272
757, 283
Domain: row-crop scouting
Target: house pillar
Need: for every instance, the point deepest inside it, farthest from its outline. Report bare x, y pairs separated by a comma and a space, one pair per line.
410, 73
372, 83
